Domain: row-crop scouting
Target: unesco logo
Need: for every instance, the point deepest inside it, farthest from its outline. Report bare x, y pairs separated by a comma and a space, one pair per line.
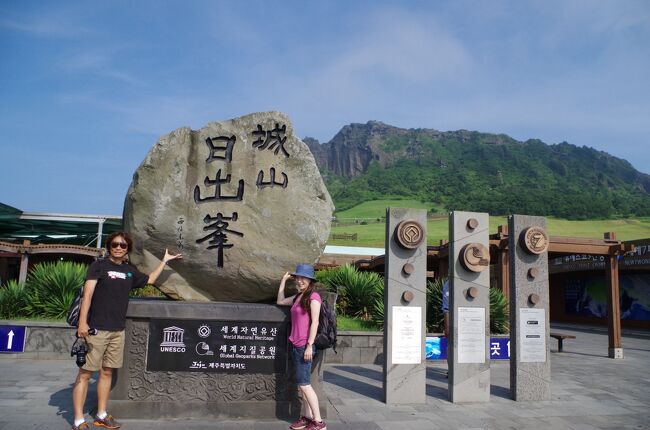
204, 331
172, 340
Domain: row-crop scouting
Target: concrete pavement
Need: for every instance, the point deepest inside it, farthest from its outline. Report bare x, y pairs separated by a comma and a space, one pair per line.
589, 391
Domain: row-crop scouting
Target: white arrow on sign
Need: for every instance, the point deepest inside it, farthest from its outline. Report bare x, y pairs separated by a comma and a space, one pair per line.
11, 339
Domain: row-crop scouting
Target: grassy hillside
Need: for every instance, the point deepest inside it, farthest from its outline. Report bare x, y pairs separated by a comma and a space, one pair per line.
363, 220
464, 170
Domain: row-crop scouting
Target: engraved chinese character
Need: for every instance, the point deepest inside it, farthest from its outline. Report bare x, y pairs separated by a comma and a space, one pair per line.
216, 182
271, 139
271, 182
219, 238
213, 148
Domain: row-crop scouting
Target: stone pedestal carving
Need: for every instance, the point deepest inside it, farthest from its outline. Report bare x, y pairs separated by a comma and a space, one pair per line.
140, 393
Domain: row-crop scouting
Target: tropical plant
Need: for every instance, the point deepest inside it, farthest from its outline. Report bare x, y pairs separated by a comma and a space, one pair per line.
499, 316
435, 316
357, 290
51, 288
378, 312
12, 300
499, 312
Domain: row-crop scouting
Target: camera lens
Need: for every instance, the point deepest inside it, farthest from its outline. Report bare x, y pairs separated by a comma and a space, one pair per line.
81, 358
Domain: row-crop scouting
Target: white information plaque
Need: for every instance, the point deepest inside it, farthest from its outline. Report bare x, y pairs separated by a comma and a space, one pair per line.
532, 335
407, 335
471, 335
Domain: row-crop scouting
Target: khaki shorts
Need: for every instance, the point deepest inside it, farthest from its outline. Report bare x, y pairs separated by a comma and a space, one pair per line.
106, 350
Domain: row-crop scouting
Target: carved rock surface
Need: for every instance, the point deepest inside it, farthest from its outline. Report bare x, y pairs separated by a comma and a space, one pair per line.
243, 200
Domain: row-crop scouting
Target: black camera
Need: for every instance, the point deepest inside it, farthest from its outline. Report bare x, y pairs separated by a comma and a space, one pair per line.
79, 349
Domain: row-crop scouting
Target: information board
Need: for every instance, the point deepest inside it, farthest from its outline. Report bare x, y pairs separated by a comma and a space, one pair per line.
407, 335
471, 335
532, 335
217, 346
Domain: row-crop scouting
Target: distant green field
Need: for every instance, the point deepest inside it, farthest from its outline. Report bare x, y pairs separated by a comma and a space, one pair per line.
372, 232
377, 209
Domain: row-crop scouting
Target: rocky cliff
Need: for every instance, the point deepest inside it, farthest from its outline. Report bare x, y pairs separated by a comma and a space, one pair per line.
468, 169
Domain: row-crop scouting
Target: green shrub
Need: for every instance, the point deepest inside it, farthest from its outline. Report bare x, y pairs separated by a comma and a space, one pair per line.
435, 316
12, 300
357, 290
499, 315
146, 291
378, 311
344, 323
51, 288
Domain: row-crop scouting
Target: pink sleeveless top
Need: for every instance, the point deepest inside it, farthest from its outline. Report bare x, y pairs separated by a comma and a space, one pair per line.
300, 322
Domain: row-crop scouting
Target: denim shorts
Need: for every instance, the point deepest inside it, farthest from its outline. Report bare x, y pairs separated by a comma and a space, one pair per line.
303, 368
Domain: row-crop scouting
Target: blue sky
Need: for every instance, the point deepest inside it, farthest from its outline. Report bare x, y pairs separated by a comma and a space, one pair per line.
88, 87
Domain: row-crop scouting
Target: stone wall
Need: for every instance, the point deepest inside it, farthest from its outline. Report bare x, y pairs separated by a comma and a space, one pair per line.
52, 341
44, 340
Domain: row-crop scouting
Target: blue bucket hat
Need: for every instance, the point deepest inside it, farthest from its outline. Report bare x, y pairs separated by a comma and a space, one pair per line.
305, 270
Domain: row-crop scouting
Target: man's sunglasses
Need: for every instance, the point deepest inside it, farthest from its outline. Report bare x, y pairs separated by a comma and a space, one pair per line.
122, 245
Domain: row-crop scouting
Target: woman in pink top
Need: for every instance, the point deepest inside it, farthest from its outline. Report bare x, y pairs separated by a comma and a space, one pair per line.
305, 310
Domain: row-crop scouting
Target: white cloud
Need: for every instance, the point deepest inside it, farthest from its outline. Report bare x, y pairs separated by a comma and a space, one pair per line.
49, 26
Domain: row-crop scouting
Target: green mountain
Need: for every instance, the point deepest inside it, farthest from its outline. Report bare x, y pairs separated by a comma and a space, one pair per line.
473, 171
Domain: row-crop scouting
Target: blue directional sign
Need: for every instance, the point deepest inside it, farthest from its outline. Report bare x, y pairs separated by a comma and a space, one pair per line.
436, 348
12, 338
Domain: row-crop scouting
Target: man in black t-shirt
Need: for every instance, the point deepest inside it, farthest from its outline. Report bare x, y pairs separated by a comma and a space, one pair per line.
103, 308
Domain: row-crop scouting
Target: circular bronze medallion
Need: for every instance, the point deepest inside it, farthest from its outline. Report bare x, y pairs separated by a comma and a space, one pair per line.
475, 257
409, 234
408, 269
534, 240
407, 296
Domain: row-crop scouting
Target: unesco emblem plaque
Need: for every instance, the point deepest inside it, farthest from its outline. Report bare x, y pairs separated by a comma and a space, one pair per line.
217, 346
409, 234
534, 240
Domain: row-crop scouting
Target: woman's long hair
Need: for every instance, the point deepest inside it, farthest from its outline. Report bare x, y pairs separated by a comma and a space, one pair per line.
305, 300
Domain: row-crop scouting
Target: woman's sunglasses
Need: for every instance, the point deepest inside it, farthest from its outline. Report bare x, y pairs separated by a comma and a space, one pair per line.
122, 245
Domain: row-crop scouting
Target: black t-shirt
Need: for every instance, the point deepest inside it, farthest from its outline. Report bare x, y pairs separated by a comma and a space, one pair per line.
111, 296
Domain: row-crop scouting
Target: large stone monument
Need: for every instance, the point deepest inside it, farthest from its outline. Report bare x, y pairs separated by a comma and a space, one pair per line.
243, 200
468, 351
404, 374
530, 364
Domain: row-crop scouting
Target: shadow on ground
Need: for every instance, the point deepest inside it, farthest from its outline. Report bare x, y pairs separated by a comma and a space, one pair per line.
62, 400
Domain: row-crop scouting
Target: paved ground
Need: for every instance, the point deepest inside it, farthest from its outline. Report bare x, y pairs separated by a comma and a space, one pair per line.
589, 391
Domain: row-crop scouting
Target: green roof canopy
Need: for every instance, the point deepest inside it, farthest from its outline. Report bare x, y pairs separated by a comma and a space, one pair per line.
16, 226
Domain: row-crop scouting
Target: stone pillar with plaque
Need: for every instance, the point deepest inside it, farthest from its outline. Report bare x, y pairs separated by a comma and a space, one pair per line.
469, 307
404, 373
530, 366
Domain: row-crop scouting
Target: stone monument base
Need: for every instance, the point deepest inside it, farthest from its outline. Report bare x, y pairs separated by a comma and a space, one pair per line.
194, 347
